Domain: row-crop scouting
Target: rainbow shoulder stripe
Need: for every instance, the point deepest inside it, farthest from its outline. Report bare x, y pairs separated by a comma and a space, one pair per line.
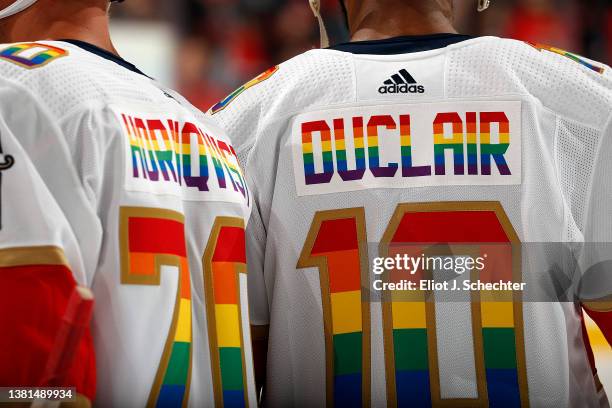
32, 55
573, 57
230, 98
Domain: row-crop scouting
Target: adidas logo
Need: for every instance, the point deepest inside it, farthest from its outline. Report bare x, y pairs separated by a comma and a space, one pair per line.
402, 82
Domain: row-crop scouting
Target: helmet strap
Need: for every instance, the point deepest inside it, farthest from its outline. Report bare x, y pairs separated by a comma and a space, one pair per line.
17, 7
315, 5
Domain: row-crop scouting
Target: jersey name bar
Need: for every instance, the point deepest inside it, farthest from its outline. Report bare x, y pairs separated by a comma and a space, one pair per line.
400, 146
180, 157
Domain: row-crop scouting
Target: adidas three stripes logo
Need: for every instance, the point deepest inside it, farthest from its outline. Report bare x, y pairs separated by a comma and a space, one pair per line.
402, 82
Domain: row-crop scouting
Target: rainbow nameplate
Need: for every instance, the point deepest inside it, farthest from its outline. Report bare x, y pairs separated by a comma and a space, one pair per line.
410, 145
180, 156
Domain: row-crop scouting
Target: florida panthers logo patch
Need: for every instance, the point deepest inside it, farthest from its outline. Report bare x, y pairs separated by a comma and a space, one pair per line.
573, 57
32, 55
230, 98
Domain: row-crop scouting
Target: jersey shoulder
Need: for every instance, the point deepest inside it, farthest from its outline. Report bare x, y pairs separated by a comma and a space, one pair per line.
63, 77
313, 79
30, 55
566, 83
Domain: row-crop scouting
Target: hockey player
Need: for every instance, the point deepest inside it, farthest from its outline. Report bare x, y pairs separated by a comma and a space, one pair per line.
114, 182
409, 136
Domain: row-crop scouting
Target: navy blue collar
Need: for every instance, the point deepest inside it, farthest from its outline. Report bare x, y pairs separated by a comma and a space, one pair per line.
401, 45
105, 54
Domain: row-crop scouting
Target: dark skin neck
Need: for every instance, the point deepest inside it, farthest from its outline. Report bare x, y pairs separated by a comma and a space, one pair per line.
53, 20
380, 19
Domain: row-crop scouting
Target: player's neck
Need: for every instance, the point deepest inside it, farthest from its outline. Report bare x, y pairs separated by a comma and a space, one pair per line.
89, 25
377, 23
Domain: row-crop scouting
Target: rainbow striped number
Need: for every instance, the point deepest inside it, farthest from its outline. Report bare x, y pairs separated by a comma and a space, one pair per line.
143, 252
224, 260
336, 245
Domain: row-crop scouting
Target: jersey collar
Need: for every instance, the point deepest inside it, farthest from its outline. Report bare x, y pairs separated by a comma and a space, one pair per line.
401, 45
100, 52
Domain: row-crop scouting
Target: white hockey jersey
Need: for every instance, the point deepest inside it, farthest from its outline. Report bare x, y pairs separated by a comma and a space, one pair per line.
144, 199
407, 143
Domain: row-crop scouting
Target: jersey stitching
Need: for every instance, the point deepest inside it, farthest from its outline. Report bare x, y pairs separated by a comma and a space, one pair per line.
356, 99
82, 107
589, 196
445, 73
72, 169
554, 112
284, 116
56, 123
418, 55
567, 209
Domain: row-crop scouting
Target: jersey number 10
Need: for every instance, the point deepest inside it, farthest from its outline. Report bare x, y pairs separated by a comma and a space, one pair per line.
336, 245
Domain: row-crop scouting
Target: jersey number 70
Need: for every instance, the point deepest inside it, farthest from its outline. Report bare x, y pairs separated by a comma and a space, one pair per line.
143, 252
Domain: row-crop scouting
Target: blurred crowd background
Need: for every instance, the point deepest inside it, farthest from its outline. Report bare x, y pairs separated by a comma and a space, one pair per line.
216, 45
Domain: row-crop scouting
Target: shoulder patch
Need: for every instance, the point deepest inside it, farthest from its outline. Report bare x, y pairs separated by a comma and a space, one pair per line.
230, 98
32, 55
573, 57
